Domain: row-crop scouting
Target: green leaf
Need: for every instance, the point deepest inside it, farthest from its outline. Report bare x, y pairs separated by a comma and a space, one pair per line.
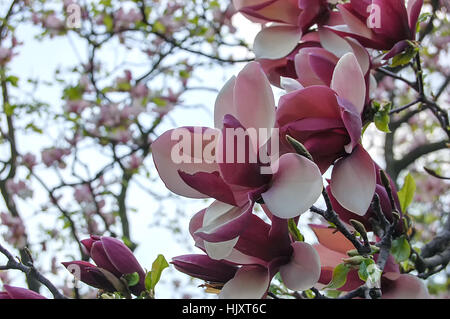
339, 276
132, 279
154, 275
363, 272
13, 80
295, 232
406, 194
405, 57
382, 118
400, 249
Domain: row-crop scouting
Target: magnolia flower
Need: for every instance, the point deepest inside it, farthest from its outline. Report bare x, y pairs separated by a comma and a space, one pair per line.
15, 235
51, 156
5, 55
261, 251
333, 247
314, 60
19, 188
329, 125
29, 160
113, 260
291, 18
19, 293
380, 24
76, 106
209, 166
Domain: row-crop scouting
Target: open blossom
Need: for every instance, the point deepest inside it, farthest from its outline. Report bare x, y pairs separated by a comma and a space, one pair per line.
301, 13
380, 24
19, 293
333, 247
113, 260
29, 160
19, 188
291, 19
246, 268
6, 55
76, 106
288, 186
83, 194
52, 156
16, 230
314, 60
124, 19
327, 121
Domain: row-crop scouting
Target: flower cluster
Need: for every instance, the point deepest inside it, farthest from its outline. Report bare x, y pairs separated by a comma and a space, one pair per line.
260, 153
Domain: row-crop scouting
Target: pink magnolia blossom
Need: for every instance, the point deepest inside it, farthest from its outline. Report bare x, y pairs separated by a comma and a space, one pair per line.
76, 106
134, 162
246, 102
329, 125
292, 19
83, 194
261, 251
125, 19
53, 23
333, 247
52, 156
314, 60
15, 235
19, 188
380, 24
111, 255
29, 160
6, 55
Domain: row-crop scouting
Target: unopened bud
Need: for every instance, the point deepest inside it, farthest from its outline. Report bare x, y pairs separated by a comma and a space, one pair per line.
299, 147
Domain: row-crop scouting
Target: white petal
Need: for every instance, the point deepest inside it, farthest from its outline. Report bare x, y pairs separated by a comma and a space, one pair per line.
348, 81
220, 250
303, 271
276, 42
290, 84
296, 186
353, 181
224, 103
248, 283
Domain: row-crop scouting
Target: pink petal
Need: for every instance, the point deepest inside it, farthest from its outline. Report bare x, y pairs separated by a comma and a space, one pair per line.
332, 239
353, 181
405, 287
211, 184
354, 23
276, 41
333, 43
296, 186
253, 98
354, 90
303, 271
305, 73
205, 268
413, 8
316, 102
21, 293
250, 282
168, 166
